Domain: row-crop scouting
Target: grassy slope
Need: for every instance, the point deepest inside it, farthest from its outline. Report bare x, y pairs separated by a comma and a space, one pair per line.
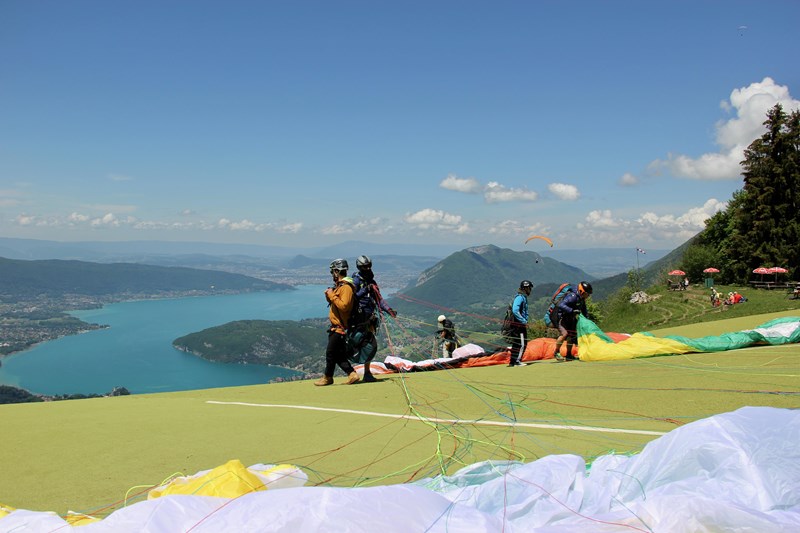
85, 455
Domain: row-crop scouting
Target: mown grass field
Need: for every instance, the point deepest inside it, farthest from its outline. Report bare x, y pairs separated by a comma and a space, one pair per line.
96, 455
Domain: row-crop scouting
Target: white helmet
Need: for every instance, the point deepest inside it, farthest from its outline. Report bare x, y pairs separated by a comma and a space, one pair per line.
442, 318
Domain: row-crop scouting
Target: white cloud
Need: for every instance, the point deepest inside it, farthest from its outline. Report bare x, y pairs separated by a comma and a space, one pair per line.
495, 192
294, 227
564, 191
601, 226
750, 104
109, 219
368, 226
337, 229
426, 219
466, 185
514, 227
628, 180
78, 218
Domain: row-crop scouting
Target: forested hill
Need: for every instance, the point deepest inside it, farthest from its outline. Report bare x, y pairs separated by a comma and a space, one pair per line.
485, 277
20, 278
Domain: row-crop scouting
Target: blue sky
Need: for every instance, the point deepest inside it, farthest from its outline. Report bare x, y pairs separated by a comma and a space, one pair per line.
598, 124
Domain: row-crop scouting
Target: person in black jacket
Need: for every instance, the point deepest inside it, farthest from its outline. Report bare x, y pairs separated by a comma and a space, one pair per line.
447, 333
568, 309
367, 316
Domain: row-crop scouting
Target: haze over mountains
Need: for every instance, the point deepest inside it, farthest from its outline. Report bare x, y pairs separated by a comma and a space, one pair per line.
394, 262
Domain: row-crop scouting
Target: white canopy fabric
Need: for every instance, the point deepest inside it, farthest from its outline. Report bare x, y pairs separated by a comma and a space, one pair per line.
734, 472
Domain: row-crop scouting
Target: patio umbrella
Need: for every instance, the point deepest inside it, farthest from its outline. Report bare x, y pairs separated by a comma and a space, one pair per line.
776, 271
710, 279
677, 273
762, 271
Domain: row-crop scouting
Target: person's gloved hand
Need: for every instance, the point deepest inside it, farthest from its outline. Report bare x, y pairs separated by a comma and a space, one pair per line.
392, 313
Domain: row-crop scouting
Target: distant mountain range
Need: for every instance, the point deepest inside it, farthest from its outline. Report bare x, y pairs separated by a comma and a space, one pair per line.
21, 279
266, 261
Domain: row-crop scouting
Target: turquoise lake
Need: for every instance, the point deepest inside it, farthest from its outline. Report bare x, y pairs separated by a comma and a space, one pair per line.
136, 351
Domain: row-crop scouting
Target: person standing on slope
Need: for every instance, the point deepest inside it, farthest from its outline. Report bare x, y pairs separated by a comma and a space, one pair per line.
341, 298
568, 309
518, 334
361, 333
447, 333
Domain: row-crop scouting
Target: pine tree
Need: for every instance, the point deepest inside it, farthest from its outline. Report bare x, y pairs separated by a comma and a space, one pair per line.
765, 223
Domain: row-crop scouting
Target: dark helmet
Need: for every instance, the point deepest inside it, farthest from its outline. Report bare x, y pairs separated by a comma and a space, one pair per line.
363, 262
339, 264
584, 287
525, 284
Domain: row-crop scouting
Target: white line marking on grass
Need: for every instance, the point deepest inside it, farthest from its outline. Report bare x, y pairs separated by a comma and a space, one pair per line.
448, 420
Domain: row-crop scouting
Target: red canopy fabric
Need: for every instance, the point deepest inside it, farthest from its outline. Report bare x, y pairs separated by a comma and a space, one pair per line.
711, 270
677, 273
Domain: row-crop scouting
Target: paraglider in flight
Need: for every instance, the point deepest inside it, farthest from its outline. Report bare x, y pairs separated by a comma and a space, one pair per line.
545, 239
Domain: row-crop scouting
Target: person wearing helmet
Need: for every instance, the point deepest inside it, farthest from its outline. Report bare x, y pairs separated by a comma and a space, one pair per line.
340, 299
366, 318
447, 334
518, 333
568, 309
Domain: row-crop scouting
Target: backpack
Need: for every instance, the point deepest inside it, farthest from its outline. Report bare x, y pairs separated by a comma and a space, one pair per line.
508, 322
364, 314
551, 316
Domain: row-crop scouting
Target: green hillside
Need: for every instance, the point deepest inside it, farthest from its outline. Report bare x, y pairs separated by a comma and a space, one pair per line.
287, 343
485, 278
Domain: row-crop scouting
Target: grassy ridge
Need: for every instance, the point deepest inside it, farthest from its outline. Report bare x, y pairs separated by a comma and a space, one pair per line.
86, 455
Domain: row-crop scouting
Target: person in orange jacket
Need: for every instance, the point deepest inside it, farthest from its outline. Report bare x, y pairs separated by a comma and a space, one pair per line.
341, 298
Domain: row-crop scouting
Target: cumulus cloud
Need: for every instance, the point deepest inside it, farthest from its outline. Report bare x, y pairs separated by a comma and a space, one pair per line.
114, 220
564, 191
628, 180
514, 227
601, 226
750, 105
78, 218
368, 226
466, 185
336, 229
294, 227
494, 192
426, 219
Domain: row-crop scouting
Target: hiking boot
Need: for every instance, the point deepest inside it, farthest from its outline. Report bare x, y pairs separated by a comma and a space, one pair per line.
352, 378
368, 378
517, 363
560, 358
324, 380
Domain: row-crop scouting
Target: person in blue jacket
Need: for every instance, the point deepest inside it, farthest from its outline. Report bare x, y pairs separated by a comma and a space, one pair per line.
518, 334
366, 318
568, 309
